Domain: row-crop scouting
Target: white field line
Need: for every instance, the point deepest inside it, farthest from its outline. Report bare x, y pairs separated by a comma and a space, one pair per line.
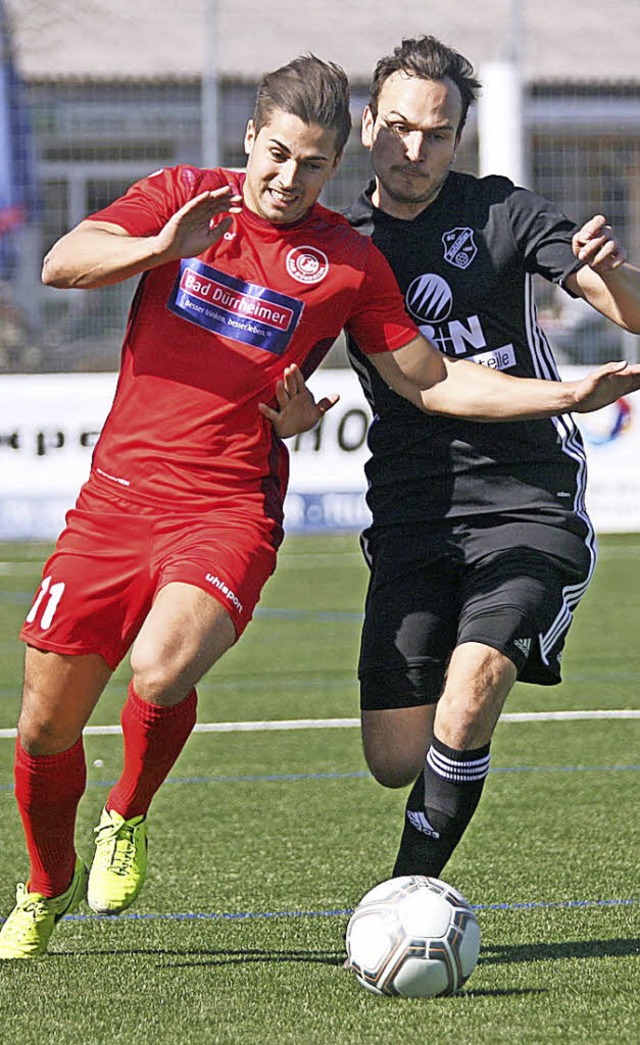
351, 723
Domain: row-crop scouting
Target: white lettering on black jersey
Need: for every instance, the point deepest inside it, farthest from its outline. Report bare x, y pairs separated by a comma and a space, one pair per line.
466, 267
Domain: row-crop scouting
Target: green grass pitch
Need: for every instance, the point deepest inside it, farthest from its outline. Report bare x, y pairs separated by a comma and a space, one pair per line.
262, 841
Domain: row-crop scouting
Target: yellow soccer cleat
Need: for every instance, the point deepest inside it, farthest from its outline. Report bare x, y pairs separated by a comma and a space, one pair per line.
120, 863
27, 930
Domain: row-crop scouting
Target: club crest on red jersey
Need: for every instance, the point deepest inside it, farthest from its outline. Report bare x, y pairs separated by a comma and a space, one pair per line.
459, 247
307, 264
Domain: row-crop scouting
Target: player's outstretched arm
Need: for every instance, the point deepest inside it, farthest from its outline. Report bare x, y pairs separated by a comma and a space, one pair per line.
607, 281
606, 384
99, 253
297, 409
471, 391
411, 369
478, 393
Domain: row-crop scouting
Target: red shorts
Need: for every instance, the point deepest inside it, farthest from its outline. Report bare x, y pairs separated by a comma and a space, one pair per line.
114, 556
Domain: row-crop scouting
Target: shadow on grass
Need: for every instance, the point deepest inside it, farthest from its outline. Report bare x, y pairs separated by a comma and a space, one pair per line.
499, 992
535, 952
244, 957
224, 956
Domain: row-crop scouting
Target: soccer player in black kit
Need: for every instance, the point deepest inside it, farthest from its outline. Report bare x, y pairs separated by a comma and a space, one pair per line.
480, 547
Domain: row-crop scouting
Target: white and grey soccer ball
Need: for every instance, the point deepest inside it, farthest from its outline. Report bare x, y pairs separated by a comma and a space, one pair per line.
414, 936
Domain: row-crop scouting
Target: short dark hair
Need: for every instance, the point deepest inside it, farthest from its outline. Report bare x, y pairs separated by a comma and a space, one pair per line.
427, 58
313, 90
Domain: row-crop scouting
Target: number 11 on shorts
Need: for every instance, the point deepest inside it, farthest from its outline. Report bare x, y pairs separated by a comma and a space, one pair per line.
54, 591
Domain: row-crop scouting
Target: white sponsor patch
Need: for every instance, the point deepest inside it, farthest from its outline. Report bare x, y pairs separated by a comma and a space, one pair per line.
498, 359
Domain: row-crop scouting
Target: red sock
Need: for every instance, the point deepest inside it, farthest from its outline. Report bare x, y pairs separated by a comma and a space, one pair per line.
153, 736
48, 790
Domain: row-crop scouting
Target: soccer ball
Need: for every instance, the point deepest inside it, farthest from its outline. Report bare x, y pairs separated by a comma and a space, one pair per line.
413, 936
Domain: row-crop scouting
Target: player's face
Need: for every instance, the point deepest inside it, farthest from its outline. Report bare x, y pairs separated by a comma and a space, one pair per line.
289, 163
412, 140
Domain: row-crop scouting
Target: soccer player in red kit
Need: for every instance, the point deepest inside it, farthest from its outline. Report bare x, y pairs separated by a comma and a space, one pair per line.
177, 529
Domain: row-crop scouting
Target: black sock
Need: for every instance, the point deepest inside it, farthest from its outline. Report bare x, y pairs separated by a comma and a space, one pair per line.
439, 808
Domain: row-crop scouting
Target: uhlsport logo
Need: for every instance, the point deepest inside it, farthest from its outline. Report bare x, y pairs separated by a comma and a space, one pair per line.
429, 299
459, 247
214, 580
307, 264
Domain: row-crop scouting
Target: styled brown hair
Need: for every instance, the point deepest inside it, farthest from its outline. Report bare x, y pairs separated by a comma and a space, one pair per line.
313, 90
427, 58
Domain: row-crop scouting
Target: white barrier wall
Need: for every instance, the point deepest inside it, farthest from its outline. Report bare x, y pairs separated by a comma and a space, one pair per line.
49, 424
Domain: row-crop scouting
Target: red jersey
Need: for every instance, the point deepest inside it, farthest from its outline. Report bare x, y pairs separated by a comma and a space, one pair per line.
208, 337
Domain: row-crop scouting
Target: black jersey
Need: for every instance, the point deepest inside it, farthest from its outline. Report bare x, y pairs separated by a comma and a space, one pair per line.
465, 266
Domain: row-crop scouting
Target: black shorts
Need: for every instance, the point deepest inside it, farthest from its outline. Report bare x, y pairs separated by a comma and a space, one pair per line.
510, 584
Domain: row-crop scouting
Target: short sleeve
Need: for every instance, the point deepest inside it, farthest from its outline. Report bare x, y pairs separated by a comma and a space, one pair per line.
543, 235
149, 203
380, 322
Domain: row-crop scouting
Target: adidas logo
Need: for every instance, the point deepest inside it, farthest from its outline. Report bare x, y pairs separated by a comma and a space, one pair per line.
524, 645
420, 822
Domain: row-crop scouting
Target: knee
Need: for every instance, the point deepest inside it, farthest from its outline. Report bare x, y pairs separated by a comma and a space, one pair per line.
151, 682
395, 743
41, 733
42, 738
393, 772
155, 678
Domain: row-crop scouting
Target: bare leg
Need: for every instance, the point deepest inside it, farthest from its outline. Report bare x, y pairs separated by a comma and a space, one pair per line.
395, 742
445, 749
478, 683
58, 696
185, 633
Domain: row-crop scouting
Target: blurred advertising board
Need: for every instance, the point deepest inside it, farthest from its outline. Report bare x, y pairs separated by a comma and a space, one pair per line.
49, 424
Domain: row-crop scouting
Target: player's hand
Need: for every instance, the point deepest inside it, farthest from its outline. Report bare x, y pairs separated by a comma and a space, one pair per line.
606, 384
297, 409
596, 245
199, 224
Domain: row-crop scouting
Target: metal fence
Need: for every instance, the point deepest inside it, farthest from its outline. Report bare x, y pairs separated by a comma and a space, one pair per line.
79, 144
